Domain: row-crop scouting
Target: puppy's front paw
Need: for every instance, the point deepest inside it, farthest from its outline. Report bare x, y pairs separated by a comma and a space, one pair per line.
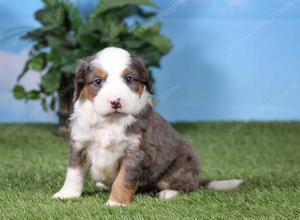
114, 203
65, 194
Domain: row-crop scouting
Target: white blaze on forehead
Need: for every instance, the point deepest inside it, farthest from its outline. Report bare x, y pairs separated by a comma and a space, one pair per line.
113, 60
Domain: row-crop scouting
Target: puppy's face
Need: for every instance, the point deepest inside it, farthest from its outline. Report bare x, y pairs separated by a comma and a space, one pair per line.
114, 81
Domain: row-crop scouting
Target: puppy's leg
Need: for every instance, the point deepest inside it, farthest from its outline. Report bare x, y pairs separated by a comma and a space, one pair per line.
122, 191
78, 166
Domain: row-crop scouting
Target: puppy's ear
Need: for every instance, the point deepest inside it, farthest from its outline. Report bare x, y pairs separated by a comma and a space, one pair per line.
83, 68
145, 77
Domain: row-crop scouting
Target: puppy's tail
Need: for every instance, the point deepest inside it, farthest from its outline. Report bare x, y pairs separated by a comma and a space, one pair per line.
221, 185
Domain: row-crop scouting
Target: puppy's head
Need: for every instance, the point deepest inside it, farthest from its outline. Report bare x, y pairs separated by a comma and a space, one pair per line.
114, 81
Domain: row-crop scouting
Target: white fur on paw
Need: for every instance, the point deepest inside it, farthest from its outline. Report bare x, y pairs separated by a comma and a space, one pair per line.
114, 203
167, 194
102, 186
64, 194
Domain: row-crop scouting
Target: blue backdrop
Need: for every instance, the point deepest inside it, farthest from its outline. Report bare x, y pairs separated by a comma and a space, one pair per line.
232, 60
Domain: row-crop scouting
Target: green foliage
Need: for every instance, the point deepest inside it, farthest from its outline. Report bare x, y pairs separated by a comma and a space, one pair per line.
109, 4
19, 92
64, 37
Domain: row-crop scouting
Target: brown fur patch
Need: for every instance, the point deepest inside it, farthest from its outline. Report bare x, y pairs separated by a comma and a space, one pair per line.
122, 191
138, 67
101, 73
82, 71
163, 185
136, 85
140, 88
126, 71
87, 92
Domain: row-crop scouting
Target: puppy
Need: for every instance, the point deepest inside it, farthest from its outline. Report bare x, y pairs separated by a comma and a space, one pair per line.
118, 137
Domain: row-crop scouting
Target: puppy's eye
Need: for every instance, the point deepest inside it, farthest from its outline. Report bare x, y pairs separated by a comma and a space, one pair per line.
98, 82
128, 79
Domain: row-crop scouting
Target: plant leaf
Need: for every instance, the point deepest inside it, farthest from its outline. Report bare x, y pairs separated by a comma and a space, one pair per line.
37, 34
38, 62
33, 94
19, 92
50, 82
54, 15
105, 5
24, 71
55, 42
53, 103
44, 104
152, 35
68, 61
111, 30
145, 15
69, 68
54, 57
74, 16
162, 43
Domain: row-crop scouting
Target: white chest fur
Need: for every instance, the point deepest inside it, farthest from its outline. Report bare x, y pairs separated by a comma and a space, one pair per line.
104, 139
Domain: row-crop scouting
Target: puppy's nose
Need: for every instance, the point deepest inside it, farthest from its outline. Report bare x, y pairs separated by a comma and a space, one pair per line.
116, 104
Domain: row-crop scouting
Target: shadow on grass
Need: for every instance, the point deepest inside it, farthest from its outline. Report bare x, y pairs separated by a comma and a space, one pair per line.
94, 193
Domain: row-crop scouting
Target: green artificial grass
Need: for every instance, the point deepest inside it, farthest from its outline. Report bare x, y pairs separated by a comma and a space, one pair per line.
33, 163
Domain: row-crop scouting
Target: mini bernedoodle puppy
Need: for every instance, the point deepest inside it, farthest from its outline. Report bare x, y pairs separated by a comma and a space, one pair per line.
118, 137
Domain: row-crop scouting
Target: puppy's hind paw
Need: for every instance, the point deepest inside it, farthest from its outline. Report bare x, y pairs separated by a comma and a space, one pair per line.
102, 186
167, 194
63, 194
114, 203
